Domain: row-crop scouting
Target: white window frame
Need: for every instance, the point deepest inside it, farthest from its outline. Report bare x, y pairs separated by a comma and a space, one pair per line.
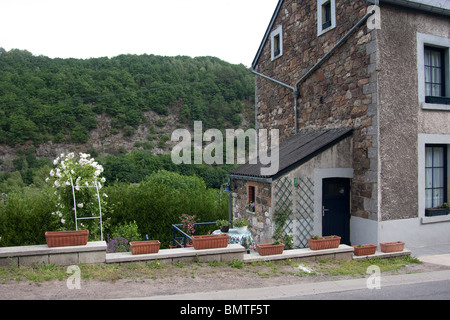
424, 40
277, 32
424, 140
320, 4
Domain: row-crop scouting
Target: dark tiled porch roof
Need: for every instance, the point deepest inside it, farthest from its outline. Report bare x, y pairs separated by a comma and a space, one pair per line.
296, 150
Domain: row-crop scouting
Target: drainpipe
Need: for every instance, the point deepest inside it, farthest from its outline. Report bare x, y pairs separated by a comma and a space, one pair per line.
337, 45
294, 92
294, 89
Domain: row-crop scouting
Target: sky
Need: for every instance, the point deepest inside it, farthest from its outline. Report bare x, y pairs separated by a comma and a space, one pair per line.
231, 30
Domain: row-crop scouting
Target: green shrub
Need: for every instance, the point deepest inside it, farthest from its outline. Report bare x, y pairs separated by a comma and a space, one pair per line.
132, 210
26, 216
128, 231
160, 200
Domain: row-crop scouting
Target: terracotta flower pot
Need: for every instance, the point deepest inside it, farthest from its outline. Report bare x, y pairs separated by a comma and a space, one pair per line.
364, 250
327, 242
393, 246
143, 247
66, 238
210, 241
267, 249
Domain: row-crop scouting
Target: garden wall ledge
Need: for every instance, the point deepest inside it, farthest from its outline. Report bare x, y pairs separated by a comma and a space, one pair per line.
343, 252
92, 252
383, 255
229, 253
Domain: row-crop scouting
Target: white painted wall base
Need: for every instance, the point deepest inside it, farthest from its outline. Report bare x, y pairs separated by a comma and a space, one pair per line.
412, 231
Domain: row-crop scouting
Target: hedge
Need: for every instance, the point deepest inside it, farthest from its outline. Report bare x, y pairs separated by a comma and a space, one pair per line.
155, 204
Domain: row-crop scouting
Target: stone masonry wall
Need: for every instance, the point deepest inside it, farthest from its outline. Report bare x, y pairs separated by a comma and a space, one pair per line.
260, 222
341, 93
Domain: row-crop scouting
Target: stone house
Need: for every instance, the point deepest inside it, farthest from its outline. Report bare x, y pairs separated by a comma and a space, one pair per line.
360, 94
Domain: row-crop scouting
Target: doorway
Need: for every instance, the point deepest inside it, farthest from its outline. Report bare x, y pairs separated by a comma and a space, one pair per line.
336, 208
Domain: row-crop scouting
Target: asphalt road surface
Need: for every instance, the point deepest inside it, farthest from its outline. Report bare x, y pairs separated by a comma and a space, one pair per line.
435, 290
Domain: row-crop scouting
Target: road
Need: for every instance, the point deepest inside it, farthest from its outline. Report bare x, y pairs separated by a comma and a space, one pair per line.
434, 290
427, 284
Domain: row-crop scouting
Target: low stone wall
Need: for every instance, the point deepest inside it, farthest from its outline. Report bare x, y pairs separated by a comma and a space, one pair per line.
343, 252
93, 252
230, 253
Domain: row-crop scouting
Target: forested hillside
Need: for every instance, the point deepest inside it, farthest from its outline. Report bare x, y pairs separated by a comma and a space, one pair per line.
60, 100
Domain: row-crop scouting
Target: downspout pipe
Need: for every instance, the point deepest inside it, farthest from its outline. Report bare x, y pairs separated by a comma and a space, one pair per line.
294, 89
337, 45
294, 92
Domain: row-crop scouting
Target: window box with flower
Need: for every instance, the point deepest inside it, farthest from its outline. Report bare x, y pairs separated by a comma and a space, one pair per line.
250, 206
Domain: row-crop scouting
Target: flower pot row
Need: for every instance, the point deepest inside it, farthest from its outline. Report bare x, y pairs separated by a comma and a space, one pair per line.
386, 247
330, 242
80, 238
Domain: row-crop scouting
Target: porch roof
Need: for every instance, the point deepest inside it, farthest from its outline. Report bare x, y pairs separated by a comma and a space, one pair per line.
295, 151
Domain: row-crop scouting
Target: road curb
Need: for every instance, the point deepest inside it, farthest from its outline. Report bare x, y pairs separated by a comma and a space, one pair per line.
285, 292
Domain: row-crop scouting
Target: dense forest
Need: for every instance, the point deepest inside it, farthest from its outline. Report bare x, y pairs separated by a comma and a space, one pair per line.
44, 99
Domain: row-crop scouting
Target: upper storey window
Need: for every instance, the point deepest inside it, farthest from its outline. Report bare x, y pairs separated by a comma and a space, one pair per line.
276, 43
326, 15
435, 70
433, 63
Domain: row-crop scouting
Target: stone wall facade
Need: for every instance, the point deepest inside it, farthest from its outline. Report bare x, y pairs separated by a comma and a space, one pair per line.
342, 92
260, 221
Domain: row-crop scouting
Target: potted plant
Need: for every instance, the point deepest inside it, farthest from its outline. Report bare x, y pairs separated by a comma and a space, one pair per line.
393, 246
266, 249
144, 247
241, 224
188, 226
280, 218
326, 242
223, 225
442, 210
210, 241
250, 206
364, 249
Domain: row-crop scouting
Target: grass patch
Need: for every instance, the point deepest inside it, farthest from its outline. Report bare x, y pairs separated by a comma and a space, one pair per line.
157, 270
359, 267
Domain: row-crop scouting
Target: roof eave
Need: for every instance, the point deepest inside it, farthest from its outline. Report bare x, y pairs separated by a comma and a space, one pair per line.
252, 177
416, 5
267, 33
404, 3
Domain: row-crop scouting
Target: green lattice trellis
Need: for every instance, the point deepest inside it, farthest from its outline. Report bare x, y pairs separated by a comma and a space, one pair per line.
305, 210
298, 201
283, 194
